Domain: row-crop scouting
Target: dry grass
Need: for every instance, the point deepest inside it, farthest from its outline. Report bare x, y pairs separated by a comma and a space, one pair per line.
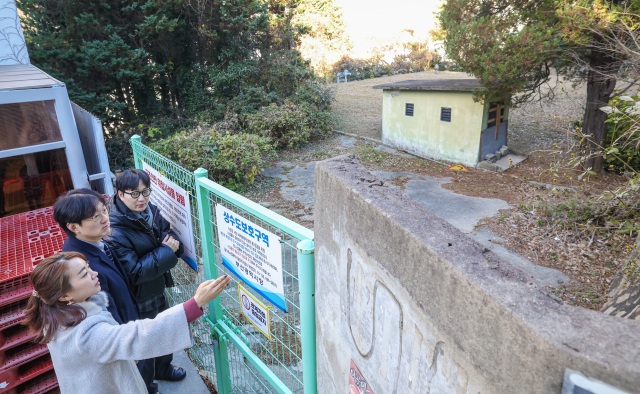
285, 350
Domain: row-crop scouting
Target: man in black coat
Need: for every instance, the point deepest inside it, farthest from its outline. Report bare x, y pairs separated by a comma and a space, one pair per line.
82, 214
148, 249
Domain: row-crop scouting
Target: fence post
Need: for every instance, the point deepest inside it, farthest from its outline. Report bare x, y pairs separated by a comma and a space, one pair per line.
205, 217
307, 286
135, 142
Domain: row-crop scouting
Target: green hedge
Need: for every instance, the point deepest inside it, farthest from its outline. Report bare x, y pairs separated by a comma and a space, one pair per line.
232, 160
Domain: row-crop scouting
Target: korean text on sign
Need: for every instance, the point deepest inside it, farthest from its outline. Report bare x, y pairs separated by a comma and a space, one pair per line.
255, 312
175, 207
253, 254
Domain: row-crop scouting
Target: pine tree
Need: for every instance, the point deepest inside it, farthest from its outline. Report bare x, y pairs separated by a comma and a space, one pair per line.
512, 46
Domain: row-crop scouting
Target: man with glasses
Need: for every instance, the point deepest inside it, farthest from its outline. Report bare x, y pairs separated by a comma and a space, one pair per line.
147, 247
83, 215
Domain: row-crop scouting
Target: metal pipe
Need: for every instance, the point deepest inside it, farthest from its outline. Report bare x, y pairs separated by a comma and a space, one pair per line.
136, 140
223, 372
307, 288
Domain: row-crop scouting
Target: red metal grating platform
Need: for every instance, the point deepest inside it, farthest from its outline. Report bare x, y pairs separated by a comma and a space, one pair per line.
21, 355
21, 374
12, 314
25, 240
14, 336
40, 385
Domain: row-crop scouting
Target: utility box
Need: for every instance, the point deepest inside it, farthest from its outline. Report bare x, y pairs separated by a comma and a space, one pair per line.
440, 119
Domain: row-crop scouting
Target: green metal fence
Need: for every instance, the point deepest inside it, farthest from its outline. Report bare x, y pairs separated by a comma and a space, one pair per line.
227, 349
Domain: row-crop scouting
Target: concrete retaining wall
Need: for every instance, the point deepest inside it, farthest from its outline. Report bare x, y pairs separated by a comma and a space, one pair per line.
421, 308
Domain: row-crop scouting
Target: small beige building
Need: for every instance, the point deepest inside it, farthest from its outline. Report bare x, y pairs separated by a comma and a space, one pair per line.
440, 119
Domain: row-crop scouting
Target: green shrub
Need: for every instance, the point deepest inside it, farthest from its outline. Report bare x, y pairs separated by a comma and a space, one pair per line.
289, 125
362, 68
232, 160
623, 135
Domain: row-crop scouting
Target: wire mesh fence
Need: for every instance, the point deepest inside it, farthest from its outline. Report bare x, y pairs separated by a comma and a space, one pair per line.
283, 355
185, 278
254, 363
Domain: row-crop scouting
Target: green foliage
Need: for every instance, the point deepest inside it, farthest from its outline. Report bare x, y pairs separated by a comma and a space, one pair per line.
117, 143
623, 135
362, 68
157, 68
232, 160
506, 45
324, 39
129, 62
289, 125
368, 153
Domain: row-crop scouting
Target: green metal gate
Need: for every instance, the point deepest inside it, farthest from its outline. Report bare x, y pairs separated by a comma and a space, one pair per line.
228, 349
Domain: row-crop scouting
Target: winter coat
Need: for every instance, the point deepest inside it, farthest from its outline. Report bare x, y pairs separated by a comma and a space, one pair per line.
113, 279
97, 356
140, 249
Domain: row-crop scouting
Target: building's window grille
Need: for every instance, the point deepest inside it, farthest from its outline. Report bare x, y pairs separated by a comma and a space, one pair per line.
408, 109
445, 114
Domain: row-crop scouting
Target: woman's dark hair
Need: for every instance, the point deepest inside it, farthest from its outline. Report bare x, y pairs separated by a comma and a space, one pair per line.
130, 179
75, 206
45, 314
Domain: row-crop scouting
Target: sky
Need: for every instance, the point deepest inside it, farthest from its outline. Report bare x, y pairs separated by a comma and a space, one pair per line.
381, 19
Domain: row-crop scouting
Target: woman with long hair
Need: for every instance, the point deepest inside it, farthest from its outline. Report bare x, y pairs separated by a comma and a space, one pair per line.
91, 352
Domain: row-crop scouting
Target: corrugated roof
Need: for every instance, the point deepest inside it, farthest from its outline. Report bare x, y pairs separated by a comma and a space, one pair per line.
462, 85
24, 76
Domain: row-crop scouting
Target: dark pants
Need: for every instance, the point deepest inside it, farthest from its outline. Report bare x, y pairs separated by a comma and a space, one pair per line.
159, 367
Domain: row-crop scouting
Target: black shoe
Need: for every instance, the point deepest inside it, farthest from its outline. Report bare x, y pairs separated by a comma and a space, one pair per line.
176, 375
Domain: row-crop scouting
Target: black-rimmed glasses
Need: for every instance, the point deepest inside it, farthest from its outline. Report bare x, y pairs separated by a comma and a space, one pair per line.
136, 194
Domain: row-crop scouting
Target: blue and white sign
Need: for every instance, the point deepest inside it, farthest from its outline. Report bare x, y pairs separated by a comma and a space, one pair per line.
252, 253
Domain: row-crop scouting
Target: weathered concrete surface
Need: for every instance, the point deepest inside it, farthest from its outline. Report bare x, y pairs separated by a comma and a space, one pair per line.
298, 181
546, 276
346, 142
503, 164
421, 308
464, 212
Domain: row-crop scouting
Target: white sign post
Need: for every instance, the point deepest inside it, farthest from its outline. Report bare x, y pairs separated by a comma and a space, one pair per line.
255, 312
175, 207
252, 253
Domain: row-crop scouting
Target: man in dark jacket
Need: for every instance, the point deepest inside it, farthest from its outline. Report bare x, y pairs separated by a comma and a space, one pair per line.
148, 249
82, 214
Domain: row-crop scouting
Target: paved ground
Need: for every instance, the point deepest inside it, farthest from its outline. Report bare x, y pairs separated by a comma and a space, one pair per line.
463, 212
192, 384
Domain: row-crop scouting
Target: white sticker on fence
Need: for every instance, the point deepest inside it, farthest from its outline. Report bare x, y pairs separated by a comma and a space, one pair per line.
255, 312
175, 207
252, 253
